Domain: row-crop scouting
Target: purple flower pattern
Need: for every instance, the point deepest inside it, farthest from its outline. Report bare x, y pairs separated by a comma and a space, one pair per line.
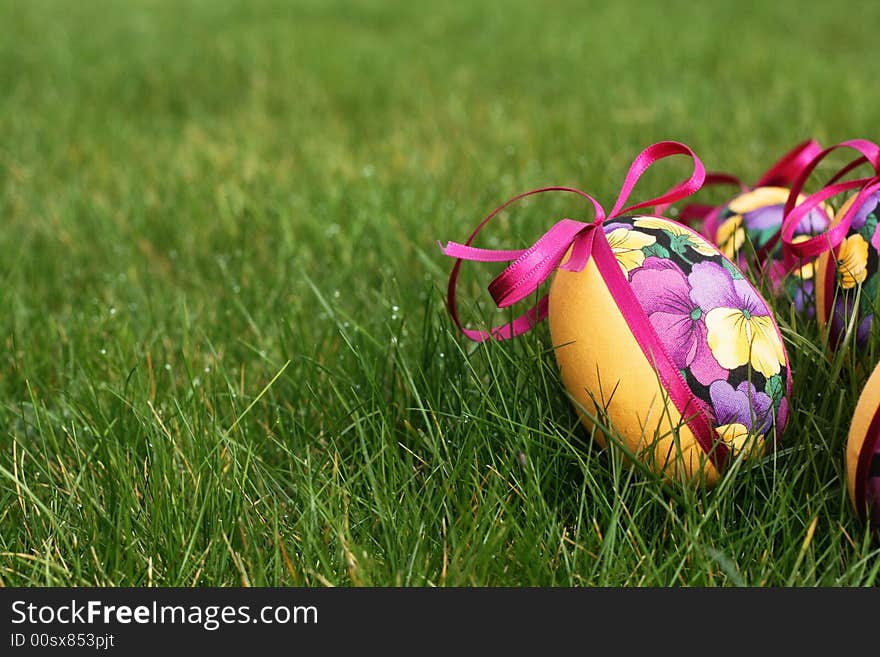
744, 405
676, 317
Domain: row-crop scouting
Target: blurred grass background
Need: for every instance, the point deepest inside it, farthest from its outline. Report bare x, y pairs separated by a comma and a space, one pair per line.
225, 357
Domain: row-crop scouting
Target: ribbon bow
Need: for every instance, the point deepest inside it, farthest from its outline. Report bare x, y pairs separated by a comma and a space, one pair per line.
531, 267
795, 252
782, 174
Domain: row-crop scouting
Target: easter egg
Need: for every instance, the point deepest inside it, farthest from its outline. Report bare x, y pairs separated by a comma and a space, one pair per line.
863, 452
847, 278
673, 349
744, 228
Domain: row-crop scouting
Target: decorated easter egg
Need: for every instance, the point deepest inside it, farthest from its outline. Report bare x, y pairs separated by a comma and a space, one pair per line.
663, 345
746, 231
672, 348
863, 452
847, 277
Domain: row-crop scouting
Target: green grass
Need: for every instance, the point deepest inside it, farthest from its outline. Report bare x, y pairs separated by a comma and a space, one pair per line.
225, 355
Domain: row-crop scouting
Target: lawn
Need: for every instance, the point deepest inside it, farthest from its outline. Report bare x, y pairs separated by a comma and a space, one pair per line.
225, 354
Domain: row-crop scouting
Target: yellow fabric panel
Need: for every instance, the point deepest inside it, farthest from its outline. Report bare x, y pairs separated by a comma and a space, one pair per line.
598, 354
867, 405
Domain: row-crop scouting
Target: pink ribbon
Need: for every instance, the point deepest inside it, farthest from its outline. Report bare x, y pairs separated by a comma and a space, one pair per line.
782, 174
789, 166
794, 253
532, 266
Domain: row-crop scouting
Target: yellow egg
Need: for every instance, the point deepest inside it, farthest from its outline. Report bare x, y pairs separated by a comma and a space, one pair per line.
671, 349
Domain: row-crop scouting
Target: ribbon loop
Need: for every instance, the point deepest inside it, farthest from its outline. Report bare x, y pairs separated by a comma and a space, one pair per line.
832, 238
531, 267
868, 150
794, 212
699, 211
782, 174
533, 262
829, 239
787, 169
644, 161
535, 265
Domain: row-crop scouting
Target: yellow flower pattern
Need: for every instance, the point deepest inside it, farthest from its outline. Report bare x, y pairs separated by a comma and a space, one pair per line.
696, 242
737, 436
737, 337
627, 246
852, 261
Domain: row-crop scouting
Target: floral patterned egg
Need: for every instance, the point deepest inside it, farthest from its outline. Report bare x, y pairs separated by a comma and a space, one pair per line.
746, 226
863, 452
676, 352
847, 279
